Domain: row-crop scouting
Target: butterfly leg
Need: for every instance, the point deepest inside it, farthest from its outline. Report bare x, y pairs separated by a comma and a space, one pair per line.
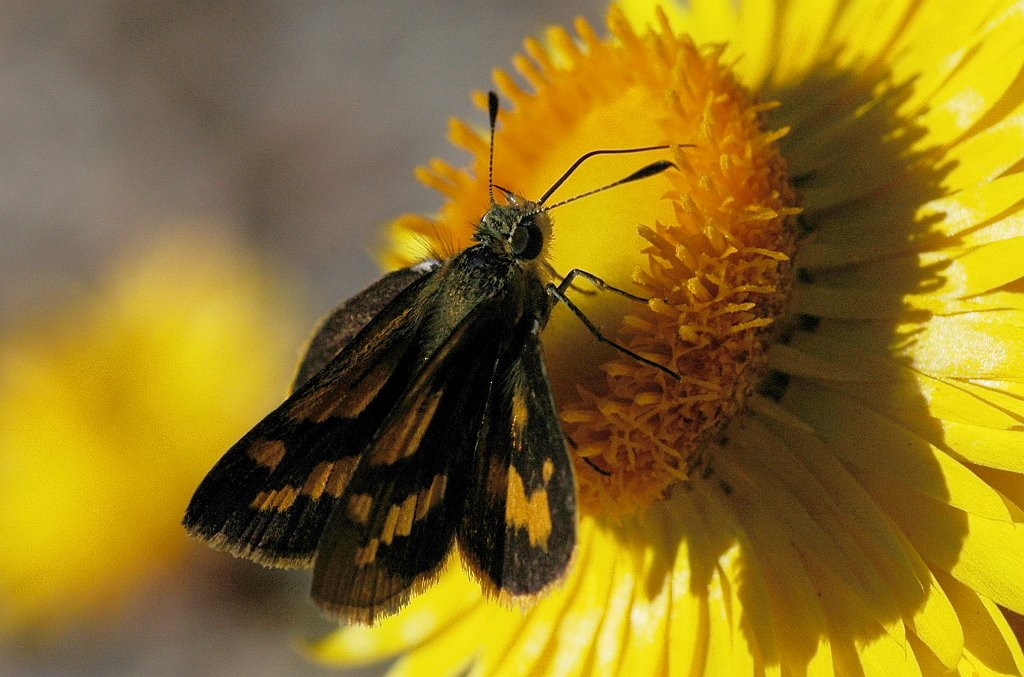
597, 282
559, 295
598, 469
554, 273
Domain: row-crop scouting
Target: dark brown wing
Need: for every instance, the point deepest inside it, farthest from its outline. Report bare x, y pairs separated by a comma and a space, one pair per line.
518, 531
339, 327
269, 496
396, 522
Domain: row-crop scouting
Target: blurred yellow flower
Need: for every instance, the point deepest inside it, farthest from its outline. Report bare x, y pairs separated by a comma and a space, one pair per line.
835, 486
113, 409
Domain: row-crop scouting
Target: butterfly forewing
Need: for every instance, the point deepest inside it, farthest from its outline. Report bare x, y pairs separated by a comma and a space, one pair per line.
336, 330
269, 497
396, 522
518, 530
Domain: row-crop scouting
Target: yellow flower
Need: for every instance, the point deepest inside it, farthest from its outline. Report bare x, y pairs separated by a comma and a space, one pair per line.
113, 409
835, 485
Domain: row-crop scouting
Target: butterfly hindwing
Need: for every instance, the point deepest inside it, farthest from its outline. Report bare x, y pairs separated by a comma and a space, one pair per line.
518, 530
269, 496
396, 522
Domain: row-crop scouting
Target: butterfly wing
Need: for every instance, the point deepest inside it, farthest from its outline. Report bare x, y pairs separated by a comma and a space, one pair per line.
338, 328
396, 522
523, 480
269, 496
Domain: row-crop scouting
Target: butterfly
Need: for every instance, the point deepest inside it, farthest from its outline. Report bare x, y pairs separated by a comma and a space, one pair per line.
421, 417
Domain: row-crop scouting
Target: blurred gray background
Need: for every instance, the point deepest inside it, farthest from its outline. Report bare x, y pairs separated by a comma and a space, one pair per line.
297, 123
293, 125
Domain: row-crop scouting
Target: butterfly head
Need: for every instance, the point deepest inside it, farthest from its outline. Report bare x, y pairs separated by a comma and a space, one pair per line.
518, 230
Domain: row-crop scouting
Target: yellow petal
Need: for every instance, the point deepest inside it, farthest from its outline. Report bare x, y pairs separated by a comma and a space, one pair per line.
956, 347
864, 30
984, 554
990, 646
645, 643
810, 511
755, 46
1002, 449
803, 30
877, 445
451, 652
985, 75
928, 62
868, 236
885, 651
950, 272
453, 598
793, 596
999, 394
921, 602
987, 154
905, 391
583, 610
608, 640
730, 611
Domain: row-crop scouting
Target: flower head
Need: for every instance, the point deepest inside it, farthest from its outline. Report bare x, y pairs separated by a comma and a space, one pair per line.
835, 483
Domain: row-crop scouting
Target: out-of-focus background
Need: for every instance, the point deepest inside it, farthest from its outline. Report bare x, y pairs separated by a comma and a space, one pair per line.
184, 188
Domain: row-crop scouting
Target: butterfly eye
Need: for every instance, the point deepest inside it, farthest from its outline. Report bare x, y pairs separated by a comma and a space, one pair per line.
527, 240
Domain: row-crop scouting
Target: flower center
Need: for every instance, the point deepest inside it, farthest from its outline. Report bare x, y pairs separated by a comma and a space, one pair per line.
718, 274
710, 245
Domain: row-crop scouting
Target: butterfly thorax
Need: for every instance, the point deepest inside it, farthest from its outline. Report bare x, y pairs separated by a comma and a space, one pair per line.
502, 272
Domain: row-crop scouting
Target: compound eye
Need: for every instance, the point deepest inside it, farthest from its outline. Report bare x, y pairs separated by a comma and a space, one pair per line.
527, 240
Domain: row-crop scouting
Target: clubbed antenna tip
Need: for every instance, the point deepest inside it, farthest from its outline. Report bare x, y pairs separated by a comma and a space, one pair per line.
492, 112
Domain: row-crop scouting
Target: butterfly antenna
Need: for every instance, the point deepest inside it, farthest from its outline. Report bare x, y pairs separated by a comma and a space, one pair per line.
586, 156
642, 173
492, 112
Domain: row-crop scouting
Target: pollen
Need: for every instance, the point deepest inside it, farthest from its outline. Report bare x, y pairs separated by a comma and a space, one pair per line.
709, 243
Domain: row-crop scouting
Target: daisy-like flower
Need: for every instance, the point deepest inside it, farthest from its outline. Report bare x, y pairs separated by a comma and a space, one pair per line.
835, 269
111, 410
